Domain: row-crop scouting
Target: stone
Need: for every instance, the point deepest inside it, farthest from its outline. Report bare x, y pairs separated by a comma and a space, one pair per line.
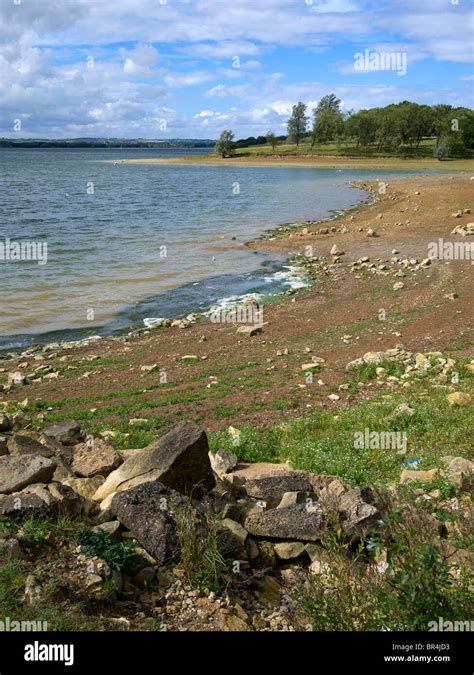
70, 502
269, 591
179, 459
228, 622
335, 251
112, 528
249, 330
5, 422
398, 286
147, 511
289, 550
33, 592
223, 461
357, 516
462, 464
22, 505
27, 444
67, 432
11, 549
86, 487
295, 522
3, 446
409, 475
233, 537
292, 498
97, 459
459, 398
18, 471
272, 488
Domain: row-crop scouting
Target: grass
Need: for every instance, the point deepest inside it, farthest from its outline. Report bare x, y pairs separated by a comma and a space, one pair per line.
324, 442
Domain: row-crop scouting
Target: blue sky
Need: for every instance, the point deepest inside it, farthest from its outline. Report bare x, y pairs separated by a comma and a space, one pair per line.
191, 68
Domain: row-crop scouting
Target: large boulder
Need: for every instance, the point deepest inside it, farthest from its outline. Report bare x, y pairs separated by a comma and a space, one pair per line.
179, 460
27, 443
97, 459
67, 432
298, 522
18, 471
148, 511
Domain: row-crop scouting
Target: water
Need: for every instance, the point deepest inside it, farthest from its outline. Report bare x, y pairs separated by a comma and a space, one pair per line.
126, 242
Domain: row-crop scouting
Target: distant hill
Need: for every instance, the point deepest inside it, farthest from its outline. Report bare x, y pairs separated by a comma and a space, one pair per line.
106, 143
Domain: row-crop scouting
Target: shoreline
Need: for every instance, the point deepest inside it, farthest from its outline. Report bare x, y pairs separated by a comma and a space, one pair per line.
311, 161
131, 331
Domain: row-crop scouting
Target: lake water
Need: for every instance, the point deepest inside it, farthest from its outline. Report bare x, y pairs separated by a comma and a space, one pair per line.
127, 242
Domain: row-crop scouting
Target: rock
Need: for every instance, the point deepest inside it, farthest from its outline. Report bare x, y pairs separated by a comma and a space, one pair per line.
18, 471
249, 330
310, 366
86, 487
16, 378
3, 446
462, 464
233, 537
26, 444
222, 461
334, 397
33, 592
11, 549
231, 623
421, 476
335, 251
272, 488
289, 550
398, 286
147, 511
292, 498
96, 460
22, 505
144, 577
70, 502
371, 233
67, 432
269, 591
295, 522
5, 422
357, 516
459, 398
112, 527
179, 459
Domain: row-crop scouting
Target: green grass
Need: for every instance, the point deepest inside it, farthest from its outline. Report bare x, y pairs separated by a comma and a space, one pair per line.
322, 444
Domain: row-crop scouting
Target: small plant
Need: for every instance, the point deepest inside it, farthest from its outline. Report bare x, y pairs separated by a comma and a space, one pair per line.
203, 557
117, 554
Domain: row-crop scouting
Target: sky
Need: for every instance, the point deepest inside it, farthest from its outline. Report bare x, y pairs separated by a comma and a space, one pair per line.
192, 68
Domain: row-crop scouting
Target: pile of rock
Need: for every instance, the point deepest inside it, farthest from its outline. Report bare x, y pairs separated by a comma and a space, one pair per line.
416, 365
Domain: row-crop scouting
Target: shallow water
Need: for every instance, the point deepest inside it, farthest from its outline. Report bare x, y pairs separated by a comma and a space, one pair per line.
127, 241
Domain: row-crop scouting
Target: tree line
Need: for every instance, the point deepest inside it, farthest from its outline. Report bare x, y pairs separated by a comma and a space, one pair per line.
389, 129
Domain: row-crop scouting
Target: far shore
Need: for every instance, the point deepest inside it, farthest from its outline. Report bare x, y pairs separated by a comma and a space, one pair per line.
323, 162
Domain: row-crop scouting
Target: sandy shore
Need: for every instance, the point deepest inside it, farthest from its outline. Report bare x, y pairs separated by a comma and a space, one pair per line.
314, 161
234, 379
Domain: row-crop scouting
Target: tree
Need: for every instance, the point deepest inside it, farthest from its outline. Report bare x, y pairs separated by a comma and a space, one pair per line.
297, 123
225, 144
327, 120
272, 139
